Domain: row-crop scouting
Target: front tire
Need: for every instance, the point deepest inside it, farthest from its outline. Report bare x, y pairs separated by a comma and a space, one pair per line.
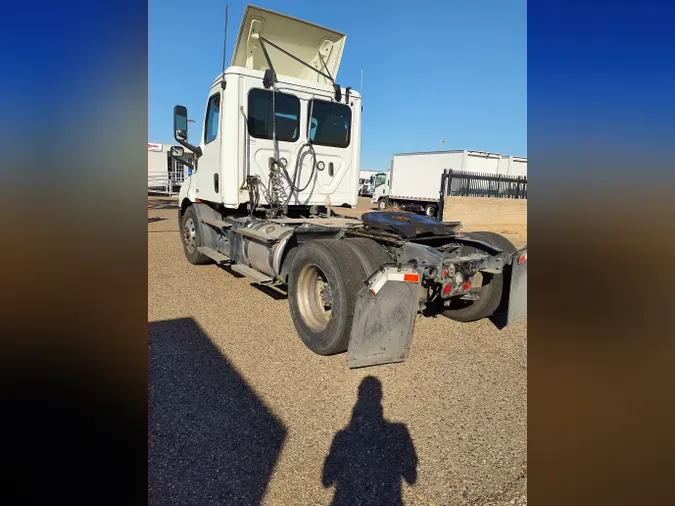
323, 282
191, 237
382, 204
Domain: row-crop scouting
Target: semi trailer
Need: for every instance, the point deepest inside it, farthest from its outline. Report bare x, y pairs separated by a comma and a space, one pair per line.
281, 145
413, 179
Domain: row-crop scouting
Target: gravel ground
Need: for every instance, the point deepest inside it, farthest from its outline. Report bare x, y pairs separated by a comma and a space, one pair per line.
242, 413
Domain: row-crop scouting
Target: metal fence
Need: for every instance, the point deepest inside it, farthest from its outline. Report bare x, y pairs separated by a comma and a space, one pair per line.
477, 184
168, 182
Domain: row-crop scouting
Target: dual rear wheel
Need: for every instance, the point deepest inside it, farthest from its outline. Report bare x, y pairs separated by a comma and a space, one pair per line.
491, 291
323, 281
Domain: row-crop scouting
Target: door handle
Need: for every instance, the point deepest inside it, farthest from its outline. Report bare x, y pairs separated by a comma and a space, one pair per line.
330, 169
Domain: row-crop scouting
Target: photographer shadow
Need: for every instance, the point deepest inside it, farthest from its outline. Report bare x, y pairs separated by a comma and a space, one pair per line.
370, 457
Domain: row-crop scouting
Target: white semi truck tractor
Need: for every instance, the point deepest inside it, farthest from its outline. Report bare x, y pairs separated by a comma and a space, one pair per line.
281, 144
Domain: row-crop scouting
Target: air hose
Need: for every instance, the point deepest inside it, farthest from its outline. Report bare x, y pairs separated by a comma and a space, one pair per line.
276, 192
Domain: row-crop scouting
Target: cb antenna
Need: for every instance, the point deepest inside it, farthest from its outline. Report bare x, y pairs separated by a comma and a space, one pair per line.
222, 81
361, 83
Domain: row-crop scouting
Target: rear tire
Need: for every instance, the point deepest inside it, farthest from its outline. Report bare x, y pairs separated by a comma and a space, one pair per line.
323, 281
490, 294
191, 237
369, 252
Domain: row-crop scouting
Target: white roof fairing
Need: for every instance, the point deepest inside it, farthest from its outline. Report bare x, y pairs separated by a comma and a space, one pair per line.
302, 39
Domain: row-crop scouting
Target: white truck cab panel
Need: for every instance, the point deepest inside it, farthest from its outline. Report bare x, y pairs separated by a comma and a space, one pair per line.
317, 131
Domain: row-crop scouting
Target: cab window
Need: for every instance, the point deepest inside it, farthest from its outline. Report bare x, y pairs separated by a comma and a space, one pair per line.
212, 116
330, 124
287, 114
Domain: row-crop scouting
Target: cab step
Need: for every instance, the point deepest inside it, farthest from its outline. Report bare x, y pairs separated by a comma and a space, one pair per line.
252, 274
214, 255
216, 223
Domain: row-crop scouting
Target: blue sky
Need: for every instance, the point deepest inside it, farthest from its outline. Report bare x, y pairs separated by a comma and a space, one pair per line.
453, 70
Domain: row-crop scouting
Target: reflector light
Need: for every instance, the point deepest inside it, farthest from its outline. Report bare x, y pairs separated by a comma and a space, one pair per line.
445, 273
522, 258
447, 288
411, 278
466, 285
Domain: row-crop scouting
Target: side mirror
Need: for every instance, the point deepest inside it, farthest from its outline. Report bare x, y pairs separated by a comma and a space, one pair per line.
177, 151
180, 123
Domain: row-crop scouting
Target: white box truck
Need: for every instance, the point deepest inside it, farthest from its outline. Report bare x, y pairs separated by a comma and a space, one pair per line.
366, 178
414, 179
281, 144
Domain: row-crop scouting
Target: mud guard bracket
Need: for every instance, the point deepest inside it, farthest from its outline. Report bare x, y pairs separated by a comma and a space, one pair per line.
517, 301
383, 325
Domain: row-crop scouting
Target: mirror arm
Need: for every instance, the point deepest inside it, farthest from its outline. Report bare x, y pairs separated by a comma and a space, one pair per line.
195, 149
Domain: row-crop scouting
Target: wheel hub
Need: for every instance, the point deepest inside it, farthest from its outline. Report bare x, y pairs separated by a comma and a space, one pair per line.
190, 235
315, 297
326, 296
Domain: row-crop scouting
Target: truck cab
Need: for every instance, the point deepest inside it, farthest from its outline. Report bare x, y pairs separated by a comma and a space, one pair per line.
275, 130
380, 189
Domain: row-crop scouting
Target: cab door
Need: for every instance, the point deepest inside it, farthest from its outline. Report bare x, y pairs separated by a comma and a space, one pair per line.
208, 184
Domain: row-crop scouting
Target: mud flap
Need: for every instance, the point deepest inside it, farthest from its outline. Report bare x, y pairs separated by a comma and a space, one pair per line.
517, 303
383, 325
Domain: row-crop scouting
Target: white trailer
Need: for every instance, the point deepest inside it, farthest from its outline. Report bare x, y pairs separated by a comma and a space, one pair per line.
414, 180
280, 145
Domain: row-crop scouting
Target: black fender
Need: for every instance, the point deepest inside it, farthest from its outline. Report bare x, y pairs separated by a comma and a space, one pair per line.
209, 235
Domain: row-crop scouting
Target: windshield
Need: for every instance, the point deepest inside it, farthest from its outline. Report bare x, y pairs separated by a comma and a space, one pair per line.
380, 179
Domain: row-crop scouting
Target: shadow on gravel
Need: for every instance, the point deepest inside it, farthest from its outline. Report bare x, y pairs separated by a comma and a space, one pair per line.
369, 458
155, 219
163, 203
212, 440
275, 293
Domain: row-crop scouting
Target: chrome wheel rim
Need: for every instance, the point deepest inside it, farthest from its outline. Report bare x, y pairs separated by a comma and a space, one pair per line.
315, 298
189, 235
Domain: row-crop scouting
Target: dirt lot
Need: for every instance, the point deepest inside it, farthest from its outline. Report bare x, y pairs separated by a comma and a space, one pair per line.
242, 413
